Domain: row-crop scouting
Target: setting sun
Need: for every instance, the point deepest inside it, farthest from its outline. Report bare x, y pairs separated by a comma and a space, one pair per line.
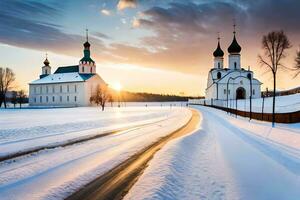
117, 86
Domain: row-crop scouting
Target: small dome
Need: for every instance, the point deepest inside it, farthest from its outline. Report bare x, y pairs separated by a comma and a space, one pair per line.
234, 48
218, 52
46, 62
86, 44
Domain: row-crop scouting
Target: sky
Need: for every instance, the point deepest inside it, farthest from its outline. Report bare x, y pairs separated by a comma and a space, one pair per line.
158, 46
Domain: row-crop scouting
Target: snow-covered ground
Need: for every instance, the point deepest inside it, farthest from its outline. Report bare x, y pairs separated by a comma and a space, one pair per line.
284, 104
227, 158
56, 173
28, 129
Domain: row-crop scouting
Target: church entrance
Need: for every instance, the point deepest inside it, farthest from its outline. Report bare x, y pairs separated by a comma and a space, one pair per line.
240, 93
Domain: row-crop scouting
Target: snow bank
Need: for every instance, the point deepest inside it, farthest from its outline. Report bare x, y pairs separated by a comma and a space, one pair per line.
284, 104
22, 130
224, 159
56, 173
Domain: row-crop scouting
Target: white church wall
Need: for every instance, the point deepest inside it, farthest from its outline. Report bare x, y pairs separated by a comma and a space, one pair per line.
63, 94
232, 59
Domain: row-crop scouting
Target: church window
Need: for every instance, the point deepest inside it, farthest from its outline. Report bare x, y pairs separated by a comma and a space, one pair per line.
41, 99
75, 88
234, 65
224, 91
219, 65
53, 98
75, 98
46, 71
219, 75
249, 76
82, 69
60, 98
61, 88
68, 98
91, 70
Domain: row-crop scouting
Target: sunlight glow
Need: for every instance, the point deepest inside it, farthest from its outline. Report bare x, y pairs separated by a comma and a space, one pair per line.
117, 86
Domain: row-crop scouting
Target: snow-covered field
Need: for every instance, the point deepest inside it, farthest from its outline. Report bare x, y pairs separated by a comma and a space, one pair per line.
284, 104
227, 158
56, 173
26, 129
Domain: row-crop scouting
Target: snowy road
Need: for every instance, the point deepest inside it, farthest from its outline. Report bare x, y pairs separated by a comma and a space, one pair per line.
56, 173
224, 160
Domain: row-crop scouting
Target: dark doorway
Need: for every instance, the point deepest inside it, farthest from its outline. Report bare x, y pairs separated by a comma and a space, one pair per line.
240, 93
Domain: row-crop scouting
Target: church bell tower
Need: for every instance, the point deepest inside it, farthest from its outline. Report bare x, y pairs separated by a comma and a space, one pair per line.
46, 69
87, 65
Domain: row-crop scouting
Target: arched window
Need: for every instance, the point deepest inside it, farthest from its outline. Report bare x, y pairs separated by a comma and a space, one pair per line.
46, 71
82, 69
219, 65
249, 76
91, 70
234, 65
219, 75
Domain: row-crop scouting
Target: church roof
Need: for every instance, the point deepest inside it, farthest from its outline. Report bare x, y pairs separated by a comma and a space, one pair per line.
63, 78
218, 52
87, 59
67, 69
234, 47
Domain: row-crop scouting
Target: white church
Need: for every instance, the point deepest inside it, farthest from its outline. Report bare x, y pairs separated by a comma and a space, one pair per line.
233, 82
68, 85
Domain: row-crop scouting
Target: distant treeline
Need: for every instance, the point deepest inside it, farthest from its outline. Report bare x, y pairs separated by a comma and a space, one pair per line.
146, 97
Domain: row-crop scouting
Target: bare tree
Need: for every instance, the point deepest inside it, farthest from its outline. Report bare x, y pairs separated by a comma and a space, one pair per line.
14, 99
7, 78
297, 64
21, 97
274, 45
101, 96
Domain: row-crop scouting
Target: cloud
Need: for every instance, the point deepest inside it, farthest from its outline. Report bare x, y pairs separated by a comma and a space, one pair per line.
105, 12
17, 29
123, 4
101, 35
182, 36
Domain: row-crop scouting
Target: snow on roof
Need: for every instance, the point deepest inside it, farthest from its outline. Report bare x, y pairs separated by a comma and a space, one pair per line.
63, 78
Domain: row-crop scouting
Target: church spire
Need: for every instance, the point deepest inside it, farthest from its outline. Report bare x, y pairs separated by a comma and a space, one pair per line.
46, 62
86, 52
87, 44
234, 47
218, 52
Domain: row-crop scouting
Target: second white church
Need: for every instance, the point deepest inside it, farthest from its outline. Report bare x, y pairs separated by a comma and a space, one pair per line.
233, 82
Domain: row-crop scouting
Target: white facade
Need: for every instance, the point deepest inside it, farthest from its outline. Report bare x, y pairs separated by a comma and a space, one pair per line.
67, 86
76, 93
233, 82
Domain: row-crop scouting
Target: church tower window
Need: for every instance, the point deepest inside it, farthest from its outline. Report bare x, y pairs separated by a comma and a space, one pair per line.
82, 69
234, 65
219, 75
218, 65
249, 76
91, 70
